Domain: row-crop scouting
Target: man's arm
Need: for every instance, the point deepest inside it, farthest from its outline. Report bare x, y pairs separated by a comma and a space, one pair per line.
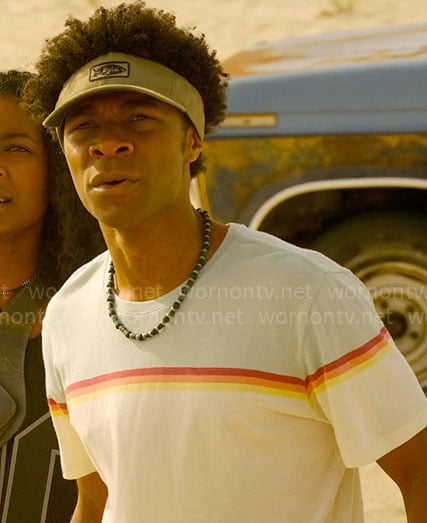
407, 466
92, 495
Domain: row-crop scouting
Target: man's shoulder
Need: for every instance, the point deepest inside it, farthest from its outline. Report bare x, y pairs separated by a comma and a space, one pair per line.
274, 251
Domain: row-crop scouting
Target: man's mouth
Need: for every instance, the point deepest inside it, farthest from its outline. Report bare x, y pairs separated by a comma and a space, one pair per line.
111, 183
5, 200
113, 186
103, 180
115, 182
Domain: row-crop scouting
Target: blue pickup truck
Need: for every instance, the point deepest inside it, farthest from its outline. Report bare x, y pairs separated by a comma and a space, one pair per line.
325, 146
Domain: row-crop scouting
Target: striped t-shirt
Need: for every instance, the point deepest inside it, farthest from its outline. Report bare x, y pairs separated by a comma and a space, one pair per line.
255, 404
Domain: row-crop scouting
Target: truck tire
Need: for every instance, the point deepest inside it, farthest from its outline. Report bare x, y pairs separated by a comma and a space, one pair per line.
387, 250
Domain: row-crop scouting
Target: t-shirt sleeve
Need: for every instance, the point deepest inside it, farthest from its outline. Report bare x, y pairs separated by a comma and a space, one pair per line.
75, 461
357, 376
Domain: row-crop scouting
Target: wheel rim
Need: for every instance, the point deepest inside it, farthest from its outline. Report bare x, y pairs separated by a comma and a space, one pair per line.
399, 292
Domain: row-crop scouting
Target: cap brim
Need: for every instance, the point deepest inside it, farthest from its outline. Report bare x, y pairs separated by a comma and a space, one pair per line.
56, 118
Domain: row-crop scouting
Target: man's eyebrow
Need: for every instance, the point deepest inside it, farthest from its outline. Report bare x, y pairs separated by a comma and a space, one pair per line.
87, 108
13, 136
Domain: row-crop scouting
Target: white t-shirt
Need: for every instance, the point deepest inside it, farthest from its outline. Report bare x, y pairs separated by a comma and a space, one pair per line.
255, 404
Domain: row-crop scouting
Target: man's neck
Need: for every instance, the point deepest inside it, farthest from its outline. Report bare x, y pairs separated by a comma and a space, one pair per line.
154, 259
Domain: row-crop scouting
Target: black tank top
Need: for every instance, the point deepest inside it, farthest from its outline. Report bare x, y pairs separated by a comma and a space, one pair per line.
31, 484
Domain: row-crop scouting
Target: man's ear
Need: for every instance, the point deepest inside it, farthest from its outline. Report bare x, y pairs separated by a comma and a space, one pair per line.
193, 146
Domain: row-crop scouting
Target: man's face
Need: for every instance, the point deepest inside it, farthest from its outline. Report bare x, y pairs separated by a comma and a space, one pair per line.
129, 156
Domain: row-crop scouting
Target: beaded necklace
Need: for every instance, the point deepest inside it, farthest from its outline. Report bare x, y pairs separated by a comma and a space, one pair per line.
176, 304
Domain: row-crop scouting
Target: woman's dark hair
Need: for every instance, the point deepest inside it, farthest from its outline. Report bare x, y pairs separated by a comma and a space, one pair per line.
70, 235
133, 29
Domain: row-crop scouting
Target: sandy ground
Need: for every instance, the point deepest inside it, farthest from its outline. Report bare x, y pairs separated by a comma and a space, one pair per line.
229, 26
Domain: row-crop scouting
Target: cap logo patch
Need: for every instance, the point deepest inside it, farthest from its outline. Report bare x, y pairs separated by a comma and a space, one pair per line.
109, 70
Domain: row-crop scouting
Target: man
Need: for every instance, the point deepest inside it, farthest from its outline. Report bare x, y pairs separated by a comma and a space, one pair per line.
201, 372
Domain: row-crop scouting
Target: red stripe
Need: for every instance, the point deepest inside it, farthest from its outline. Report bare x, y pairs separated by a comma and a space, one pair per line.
185, 371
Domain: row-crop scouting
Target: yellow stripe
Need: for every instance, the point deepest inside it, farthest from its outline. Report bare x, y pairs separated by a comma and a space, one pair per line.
171, 386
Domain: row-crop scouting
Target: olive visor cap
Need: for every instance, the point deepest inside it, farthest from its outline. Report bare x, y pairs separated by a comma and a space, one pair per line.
124, 72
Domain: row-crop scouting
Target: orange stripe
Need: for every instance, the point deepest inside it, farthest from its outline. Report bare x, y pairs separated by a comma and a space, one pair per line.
57, 409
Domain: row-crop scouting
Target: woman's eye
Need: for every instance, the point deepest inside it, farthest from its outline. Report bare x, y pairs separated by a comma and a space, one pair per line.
17, 148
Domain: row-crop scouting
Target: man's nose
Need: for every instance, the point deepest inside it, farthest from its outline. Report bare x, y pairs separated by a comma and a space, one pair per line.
111, 142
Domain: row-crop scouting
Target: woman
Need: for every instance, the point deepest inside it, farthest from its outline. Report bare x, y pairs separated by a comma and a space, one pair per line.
45, 234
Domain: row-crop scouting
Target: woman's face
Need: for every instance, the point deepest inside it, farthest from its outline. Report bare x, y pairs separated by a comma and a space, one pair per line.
23, 173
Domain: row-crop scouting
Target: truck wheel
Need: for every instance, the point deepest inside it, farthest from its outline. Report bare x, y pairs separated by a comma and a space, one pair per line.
388, 252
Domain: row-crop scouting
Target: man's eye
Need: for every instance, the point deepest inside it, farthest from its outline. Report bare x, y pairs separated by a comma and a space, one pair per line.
83, 125
139, 117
